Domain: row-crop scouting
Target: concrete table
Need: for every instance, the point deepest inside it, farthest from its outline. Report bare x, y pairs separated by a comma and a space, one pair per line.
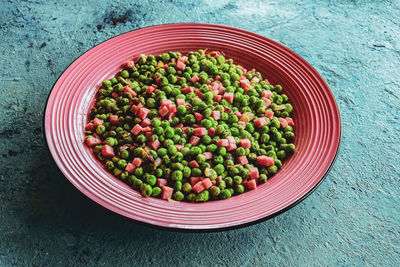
351, 220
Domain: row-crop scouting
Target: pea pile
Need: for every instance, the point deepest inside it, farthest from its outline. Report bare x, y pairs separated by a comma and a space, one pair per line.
190, 128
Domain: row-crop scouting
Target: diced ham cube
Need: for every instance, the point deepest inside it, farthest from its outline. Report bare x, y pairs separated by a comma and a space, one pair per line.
150, 89
128, 64
242, 160
114, 95
214, 182
146, 129
260, 122
228, 97
242, 123
194, 140
198, 187
195, 180
266, 94
159, 78
155, 144
206, 183
217, 98
208, 82
179, 147
283, 122
194, 79
135, 109
162, 182
215, 86
267, 102
208, 155
242, 78
269, 114
172, 108
221, 90
180, 65
187, 90
130, 168
218, 78
216, 114
163, 111
231, 140
265, 160
290, 121
252, 184
211, 132
146, 122
166, 192
180, 102
254, 173
231, 147
136, 129
193, 164
198, 116
107, 151
143, 112
89, 127
137, 162
185, 129
93, 141
182, 59
219, 178
165, 102
198, 93
245, 143
200, 131
128, 89
97, 122
148, 135
242, 69
114, 119
238, 114
223, 142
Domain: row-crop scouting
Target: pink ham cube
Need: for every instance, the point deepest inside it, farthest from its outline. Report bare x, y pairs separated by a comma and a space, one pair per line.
136, 129
216, 115
193, 164
206, 183
228, 97
208, 155
265, 160
242, 123
172, 108
242, 160
283, 122
137, 162
180, 65
194, 79
93, 141
267, 102
217, 98
245, 143
146, 122
269, 114
143, 112
107, 151
194, 140
155, 145
114, 119
254, 173
238, 114
89, 127
266, 94
198, 116
198, 187
223, 142
97, 122
166, 192
165, 102
260, 122
252, 184
163, 111
231, 140
179, 147
187, 90
290, 121
180, 102
211, 132
162, 182
200, 131
128, 89
128, 64
231, 147
150, 89
130, 168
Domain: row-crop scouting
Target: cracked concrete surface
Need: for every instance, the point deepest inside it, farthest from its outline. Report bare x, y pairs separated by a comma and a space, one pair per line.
352, 219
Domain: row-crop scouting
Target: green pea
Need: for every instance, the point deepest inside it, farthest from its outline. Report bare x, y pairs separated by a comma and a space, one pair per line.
146, 190
156, 191
239, 189
139, 171
191, 197
187, 187
262, 179
178, 186
203, 196
272, 169
225, 194
196, 172
215, 191
177, 175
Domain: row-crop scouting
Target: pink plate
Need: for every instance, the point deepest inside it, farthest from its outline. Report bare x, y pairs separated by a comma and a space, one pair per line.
315, 113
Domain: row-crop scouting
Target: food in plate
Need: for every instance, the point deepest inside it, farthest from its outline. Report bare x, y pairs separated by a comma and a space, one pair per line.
192, 127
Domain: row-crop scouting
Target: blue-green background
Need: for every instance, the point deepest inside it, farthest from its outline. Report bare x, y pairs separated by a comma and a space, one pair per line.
352, 219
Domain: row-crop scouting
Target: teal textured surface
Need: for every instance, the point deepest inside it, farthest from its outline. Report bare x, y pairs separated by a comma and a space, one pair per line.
352, 219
